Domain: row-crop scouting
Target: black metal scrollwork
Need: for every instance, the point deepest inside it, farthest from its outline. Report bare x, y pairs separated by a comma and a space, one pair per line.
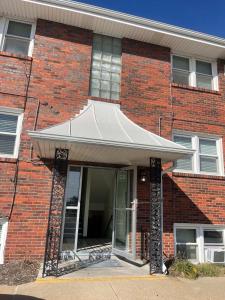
155, 241
52, 250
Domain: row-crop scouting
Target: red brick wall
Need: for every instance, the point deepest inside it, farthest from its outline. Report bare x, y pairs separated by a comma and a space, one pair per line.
60, 85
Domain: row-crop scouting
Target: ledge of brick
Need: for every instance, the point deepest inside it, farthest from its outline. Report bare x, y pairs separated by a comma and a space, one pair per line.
8, 160
201, 176
18, 56
193, 88
104, 100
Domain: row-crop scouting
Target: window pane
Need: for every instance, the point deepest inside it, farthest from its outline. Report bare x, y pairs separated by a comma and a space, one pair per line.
106, 75
207, 147
19, 29
8, 123
203, 67
184, 163
73, 187
181, 77
213, 237
69, 229
219, 256
208, 164
187, 251
181, 63
183, 141
186, 235
203, 81
14, 45
7, 144
115, 96
105, 85
105, 94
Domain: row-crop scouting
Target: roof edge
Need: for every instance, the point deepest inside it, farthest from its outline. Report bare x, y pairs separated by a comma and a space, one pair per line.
42, 136
137, 21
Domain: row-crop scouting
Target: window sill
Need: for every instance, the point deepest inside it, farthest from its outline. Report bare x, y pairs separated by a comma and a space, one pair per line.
18, 56
201, 176
105, 100
8, 160
193, 88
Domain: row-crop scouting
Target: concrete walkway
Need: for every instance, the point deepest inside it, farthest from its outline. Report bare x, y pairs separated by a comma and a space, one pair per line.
117, 287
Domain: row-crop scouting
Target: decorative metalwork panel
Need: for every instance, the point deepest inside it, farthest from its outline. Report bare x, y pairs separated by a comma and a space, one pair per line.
155, 246
52, 251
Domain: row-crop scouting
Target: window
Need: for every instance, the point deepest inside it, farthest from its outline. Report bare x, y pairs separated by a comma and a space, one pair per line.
197, 73
181, 70
18, 37
200, 242
10, 127
3, 233
186, 243
106, 67
207, 158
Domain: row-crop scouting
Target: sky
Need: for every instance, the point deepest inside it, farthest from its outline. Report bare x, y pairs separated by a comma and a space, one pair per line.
206, 16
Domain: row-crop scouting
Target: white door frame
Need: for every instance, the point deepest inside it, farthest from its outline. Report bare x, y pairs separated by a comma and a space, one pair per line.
129, 256
72, 207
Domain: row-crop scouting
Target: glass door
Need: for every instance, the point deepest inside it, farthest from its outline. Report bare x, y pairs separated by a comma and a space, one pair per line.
124, 233
72, 209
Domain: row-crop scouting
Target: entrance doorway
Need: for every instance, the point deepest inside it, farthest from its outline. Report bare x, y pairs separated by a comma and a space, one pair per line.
100, 211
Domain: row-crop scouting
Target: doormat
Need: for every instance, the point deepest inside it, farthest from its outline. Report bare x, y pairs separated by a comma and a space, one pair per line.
112, 263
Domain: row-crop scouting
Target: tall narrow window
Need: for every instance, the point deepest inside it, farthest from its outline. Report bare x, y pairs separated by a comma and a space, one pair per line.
208, 156
17, 37
106, 67
181, 70
204, 74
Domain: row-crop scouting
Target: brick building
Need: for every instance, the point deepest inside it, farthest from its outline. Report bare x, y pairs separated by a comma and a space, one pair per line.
93, 105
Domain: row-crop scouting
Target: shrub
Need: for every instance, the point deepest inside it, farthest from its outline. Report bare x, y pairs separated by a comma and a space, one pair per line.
184, 268
210, 270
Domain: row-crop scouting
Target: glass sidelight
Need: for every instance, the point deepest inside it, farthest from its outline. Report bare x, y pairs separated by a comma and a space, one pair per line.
125, 214
72, 209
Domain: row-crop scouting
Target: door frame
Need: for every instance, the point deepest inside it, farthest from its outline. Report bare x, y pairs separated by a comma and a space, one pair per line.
124, 253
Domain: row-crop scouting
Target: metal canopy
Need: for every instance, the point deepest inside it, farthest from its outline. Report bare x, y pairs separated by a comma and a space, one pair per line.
102, 133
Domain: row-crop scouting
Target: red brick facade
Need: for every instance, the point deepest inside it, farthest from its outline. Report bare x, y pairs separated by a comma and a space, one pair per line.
54, 85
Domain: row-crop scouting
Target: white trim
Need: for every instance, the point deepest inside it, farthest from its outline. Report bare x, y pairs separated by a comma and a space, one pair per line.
195, 136
200, 228
4, 22
4, 223
19, 114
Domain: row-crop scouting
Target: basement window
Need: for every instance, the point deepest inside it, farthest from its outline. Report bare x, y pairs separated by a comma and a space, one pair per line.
200, 243
194, 72
18, 37
3, 233
10, 129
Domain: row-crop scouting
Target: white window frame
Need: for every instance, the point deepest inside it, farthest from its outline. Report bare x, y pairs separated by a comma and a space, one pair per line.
4, 22
19, 114
192, 70
4, 223
196, 156
200, 228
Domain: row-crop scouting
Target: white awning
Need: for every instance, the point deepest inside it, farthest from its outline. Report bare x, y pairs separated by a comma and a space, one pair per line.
102, 133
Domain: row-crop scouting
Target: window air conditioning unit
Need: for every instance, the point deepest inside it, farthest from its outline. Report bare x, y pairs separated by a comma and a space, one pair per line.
216, 256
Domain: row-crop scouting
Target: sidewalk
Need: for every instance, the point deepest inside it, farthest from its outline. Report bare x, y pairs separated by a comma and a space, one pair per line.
117, 287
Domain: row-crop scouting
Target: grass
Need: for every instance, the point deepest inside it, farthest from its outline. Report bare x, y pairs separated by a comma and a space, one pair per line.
185, 269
